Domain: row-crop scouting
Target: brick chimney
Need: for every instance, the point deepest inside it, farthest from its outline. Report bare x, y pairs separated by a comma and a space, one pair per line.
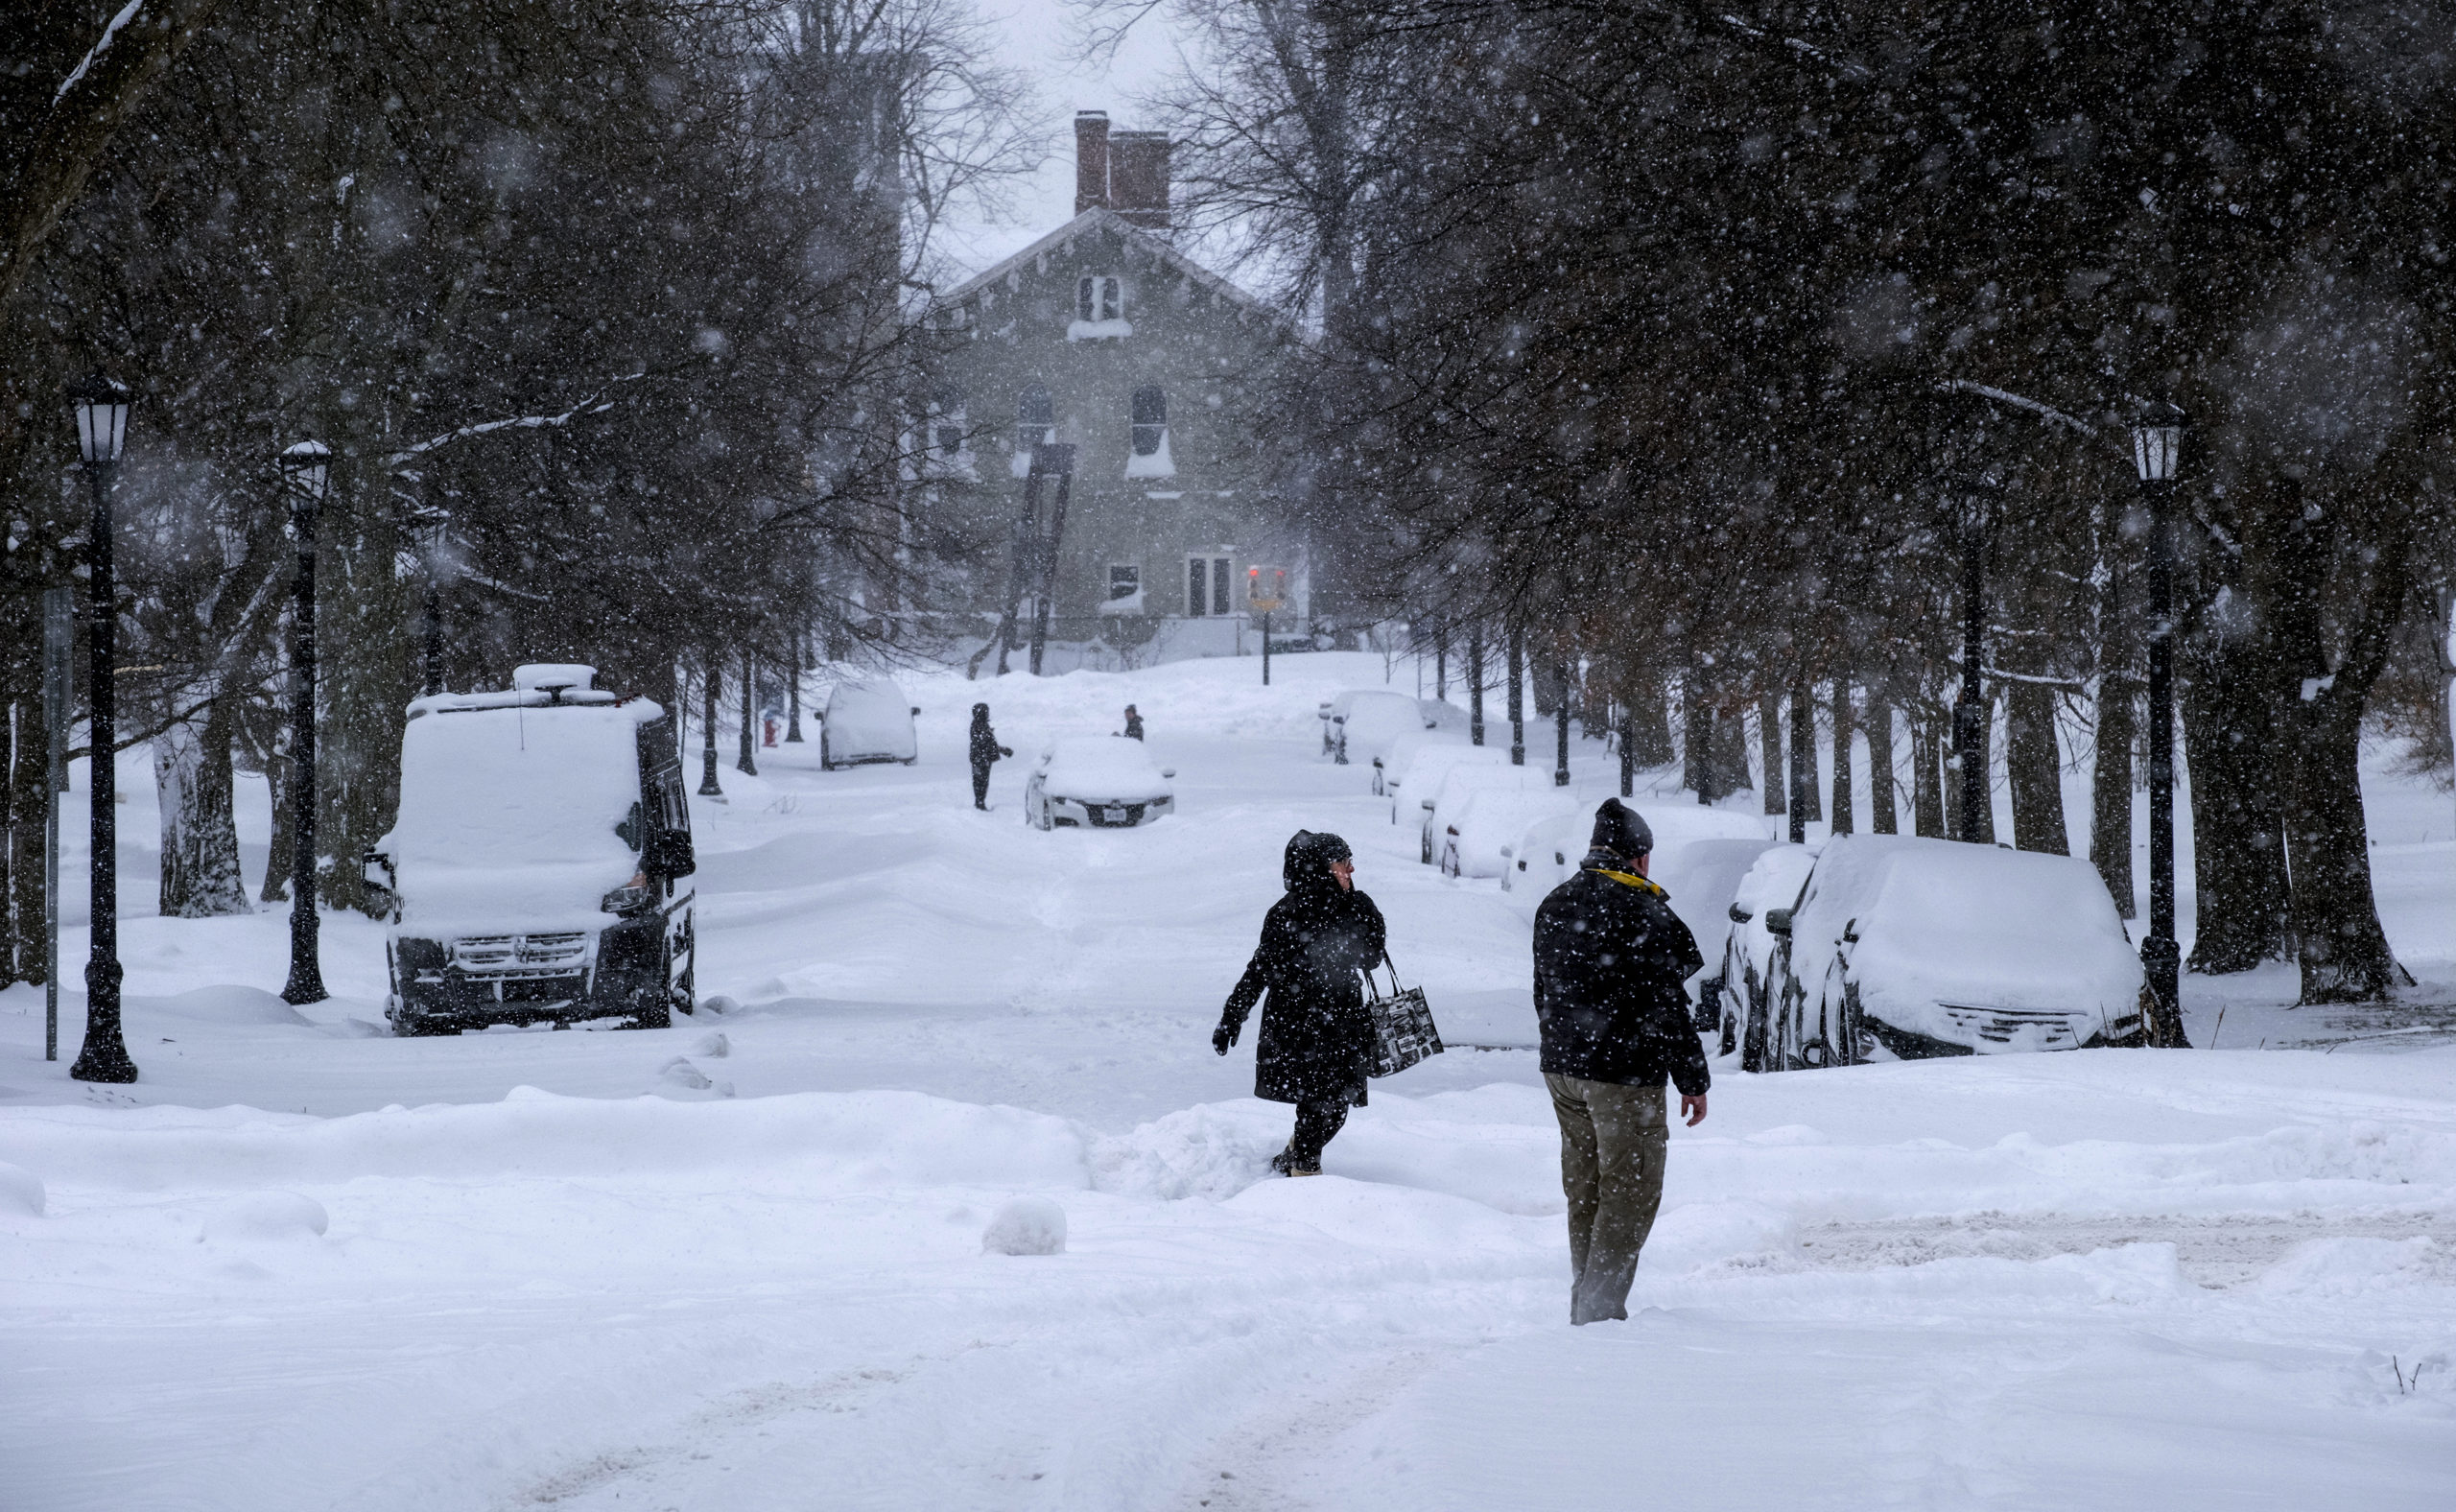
1091, 160
1139, 178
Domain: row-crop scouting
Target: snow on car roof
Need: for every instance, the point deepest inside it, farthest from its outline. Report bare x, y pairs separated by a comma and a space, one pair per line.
1103, 767
495, 791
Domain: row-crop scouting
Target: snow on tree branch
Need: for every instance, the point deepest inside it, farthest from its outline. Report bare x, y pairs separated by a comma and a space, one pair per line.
128, 14
595, 404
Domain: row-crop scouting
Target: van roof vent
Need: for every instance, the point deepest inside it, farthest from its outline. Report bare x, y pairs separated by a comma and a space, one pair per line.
553, 677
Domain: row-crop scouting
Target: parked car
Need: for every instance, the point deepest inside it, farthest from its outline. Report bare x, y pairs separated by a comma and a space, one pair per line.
1438, 805
1097, 782
1478, 832
1742, 992
535, 871
866, 719
1361, 723
1404, 751
1915, 948
1406, 776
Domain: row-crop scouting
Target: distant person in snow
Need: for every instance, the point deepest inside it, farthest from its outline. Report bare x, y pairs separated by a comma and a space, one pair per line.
1610, 958
986, 751
1133, 724
1317, 1039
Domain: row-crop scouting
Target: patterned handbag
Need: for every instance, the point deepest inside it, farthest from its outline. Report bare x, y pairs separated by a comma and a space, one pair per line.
1403, 1027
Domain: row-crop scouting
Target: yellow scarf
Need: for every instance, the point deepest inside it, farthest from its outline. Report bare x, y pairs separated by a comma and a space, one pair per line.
1641, 884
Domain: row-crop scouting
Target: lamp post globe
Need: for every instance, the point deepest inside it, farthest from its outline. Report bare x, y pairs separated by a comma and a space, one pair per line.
2157, 455
306, 470
100, 405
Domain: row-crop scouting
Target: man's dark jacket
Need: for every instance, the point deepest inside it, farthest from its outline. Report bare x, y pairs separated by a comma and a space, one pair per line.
1317, 1039
1610, 958
985, 748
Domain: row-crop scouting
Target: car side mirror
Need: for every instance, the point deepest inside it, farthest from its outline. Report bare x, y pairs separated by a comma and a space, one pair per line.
376, 870
1741, 916
1508, 850
916, 710
1778, 920
1168, 772
1850, 933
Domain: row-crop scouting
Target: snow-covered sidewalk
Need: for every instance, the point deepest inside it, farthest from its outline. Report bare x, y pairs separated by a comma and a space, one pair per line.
302, 1266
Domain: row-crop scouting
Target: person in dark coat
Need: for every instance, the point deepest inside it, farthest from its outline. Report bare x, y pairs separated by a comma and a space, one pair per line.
1133, 724
1610, 960
1317, 1039
986, 750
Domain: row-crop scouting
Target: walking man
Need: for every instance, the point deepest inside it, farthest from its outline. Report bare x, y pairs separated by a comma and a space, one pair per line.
986, 750
1610, 959
1133, 724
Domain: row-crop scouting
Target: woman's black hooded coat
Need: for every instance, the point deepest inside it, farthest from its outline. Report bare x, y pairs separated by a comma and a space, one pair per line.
1317, 943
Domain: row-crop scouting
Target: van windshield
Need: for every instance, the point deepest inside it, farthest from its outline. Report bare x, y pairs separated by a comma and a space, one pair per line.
499, 789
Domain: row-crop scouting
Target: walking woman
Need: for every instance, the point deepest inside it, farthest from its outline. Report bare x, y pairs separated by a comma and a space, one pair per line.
986, 749
1315, 1042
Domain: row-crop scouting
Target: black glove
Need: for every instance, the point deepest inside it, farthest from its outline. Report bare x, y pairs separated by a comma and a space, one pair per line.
1222, 1037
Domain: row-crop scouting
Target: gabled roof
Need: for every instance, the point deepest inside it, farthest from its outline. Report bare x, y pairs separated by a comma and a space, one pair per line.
1100, 217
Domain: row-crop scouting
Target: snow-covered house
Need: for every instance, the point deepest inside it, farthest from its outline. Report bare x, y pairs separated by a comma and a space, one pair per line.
1104, 334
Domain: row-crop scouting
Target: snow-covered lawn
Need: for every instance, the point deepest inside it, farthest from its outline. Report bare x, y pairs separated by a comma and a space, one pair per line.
303, 1265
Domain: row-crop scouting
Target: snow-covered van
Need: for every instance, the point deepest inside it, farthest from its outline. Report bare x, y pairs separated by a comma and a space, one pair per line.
536, 867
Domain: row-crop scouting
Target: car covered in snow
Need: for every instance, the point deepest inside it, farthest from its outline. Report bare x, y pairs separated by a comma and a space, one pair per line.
1913, 948
866, 719
1741, 993
1438, 806
1404, 751
1096, 782
536, 869
1362, 724
1478, 832
1420, 773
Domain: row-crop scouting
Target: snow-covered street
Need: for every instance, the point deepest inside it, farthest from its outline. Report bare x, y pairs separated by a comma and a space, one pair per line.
737, 1264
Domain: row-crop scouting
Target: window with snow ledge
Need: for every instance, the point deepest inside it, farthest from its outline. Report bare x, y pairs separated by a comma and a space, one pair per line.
1099, 309
1035, 425
950, 447
1149, 457
1126, 589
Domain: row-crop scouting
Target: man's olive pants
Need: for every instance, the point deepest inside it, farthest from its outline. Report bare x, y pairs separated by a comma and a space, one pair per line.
1613, 1143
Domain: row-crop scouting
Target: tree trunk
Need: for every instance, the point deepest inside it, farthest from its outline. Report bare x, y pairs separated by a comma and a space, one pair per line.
1649, 722
1517, 697
199, 841
2110, 790
276, 884
1881, 784
1696, 736
367, 674
1845, 802
1769, 751
2335, 918
2034, 765
1729, 753
747, 763
1803, 774
1986, 816
1926, 779
2237, 817
15, 855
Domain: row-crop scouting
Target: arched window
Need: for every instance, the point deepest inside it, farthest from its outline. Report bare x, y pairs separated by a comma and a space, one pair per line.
1150, 419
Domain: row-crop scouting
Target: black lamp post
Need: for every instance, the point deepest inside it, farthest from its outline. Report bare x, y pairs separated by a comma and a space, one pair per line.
434, 527
305, 470
2157, 447
101, 432
1560, 725
1970, 710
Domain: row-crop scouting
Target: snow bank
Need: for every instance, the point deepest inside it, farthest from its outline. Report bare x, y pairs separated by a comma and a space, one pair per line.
1025, 1226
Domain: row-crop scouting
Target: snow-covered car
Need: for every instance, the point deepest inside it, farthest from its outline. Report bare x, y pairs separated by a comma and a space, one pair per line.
866, 719
1439, 804
535, 871
1478, 832
1543, 856
1362, 724
1699, 856
1755, 957
1404, 752
1097, 782
1407, 777
1915, 948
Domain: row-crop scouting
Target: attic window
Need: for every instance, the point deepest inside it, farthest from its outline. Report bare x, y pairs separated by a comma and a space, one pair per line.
1100, 297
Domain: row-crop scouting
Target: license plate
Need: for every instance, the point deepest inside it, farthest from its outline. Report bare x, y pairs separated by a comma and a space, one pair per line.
1112, 816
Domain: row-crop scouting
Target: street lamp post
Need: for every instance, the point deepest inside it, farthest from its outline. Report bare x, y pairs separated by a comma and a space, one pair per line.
1560, 725
101, 432
433, 528
305, 470
2157, 447
1970, 710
